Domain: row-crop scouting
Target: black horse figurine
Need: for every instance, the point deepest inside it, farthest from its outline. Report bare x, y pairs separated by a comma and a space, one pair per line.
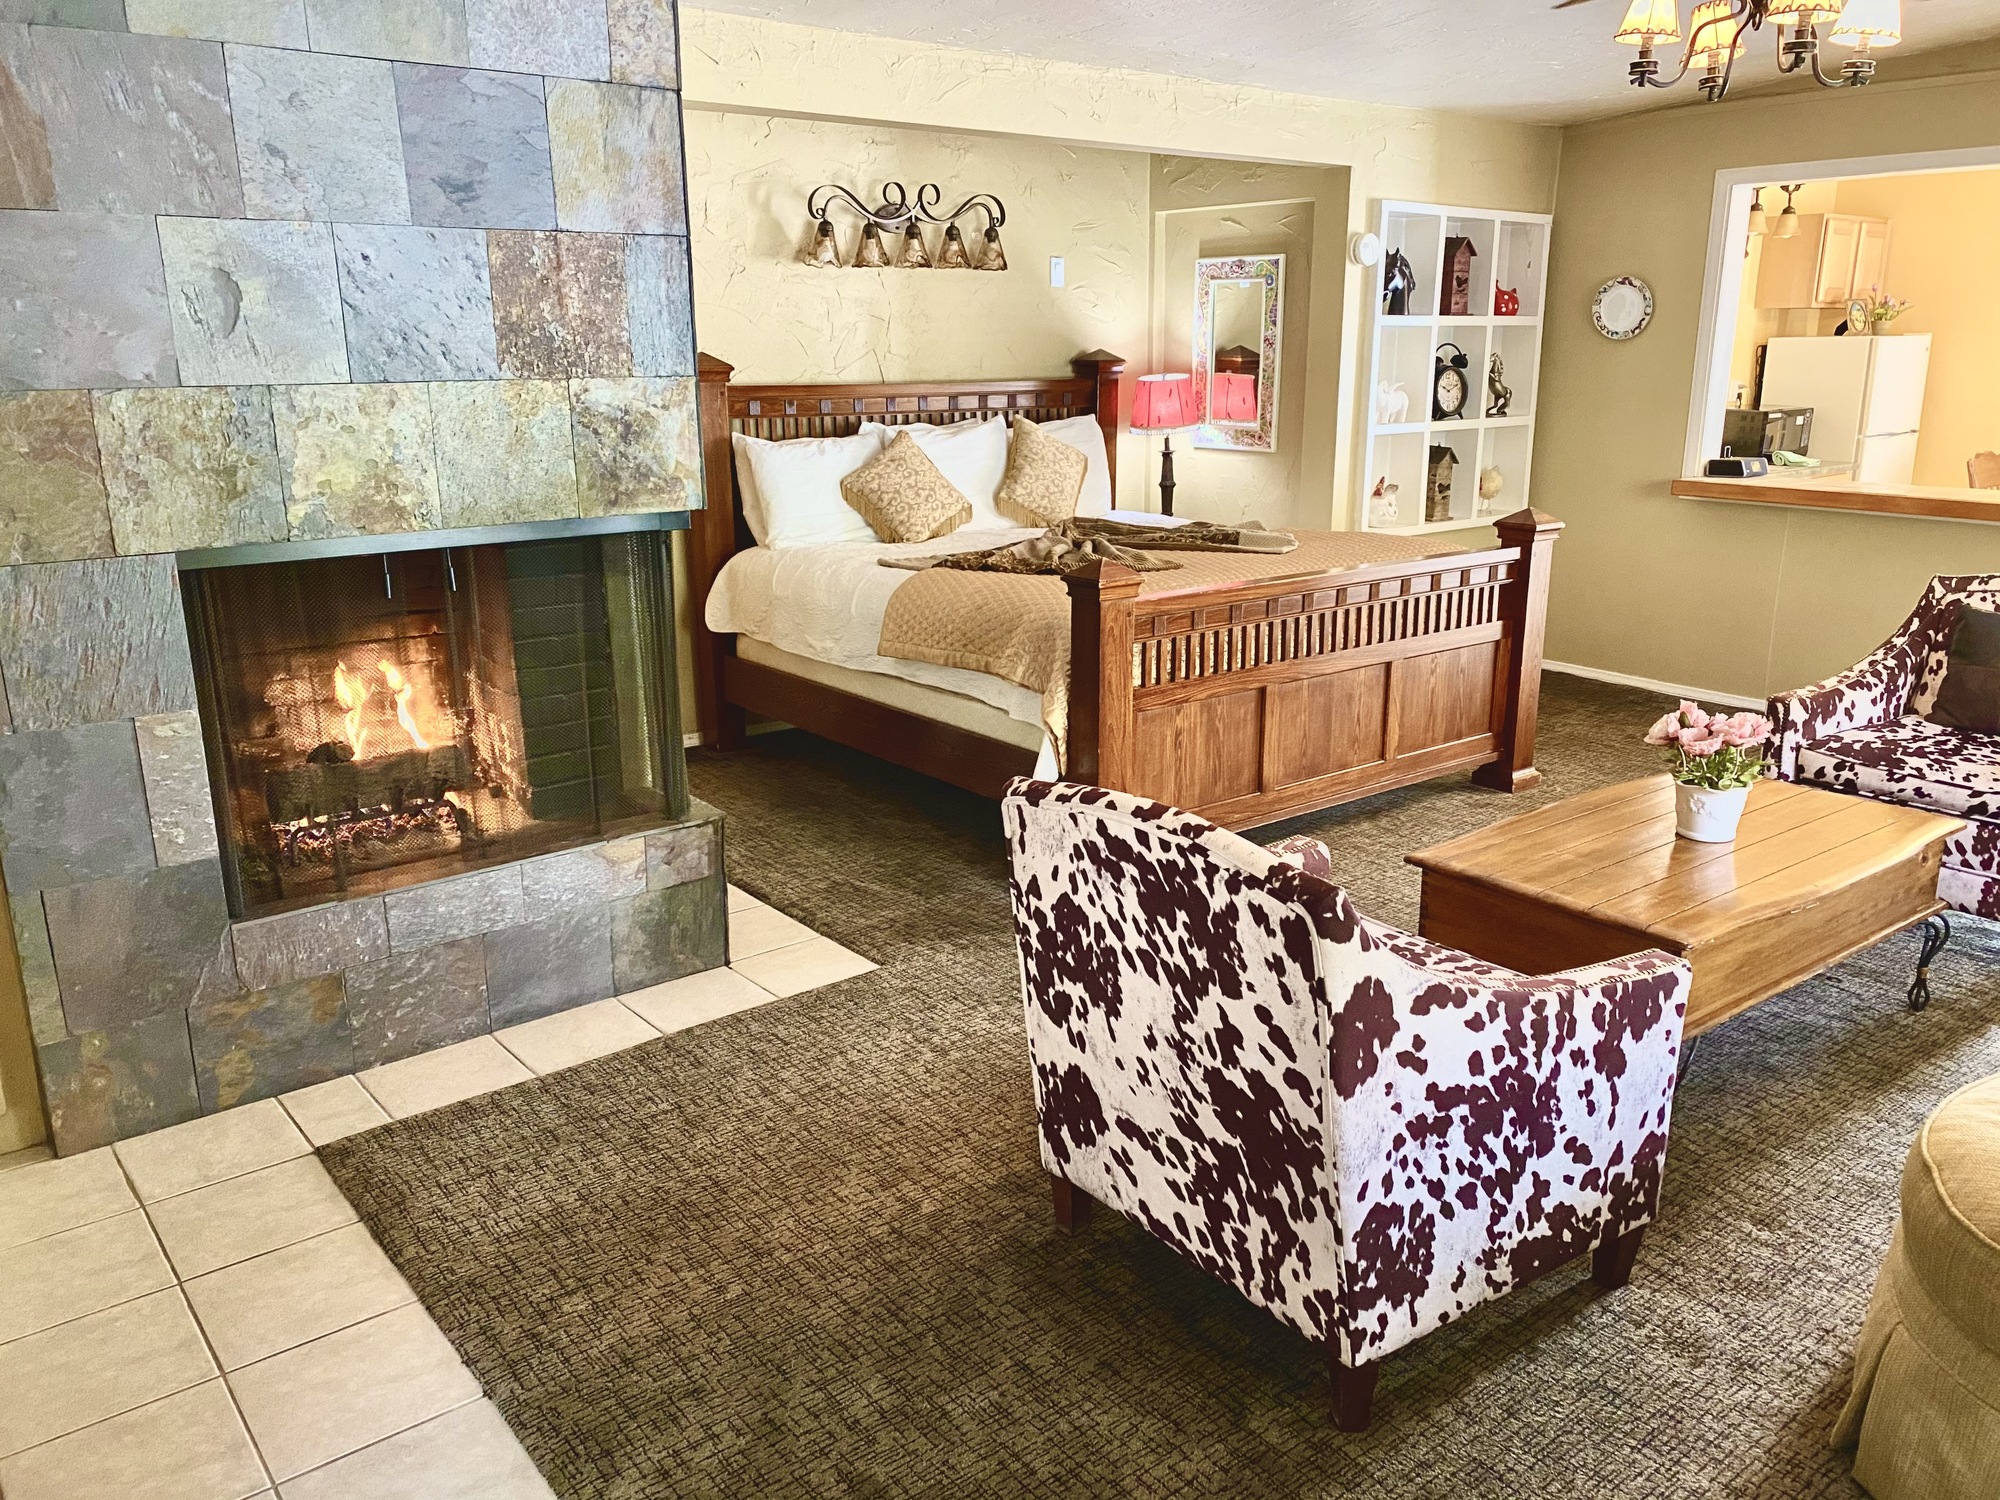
1399, 284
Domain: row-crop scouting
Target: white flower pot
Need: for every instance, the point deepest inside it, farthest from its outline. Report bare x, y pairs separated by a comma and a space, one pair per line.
1706, 816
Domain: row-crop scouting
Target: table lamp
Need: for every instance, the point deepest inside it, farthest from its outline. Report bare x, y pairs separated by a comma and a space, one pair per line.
1164, 404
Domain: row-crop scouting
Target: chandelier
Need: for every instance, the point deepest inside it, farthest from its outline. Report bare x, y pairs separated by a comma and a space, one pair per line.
1715, 38
898, 216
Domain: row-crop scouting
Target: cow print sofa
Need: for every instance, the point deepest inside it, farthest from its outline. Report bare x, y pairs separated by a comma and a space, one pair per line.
1365, 1133
1864, 732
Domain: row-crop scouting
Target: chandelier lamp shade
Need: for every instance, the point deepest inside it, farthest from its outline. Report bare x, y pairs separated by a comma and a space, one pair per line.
1164, 404
1715, 39
898, 215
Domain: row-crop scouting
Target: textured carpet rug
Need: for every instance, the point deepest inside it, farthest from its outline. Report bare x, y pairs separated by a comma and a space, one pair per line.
807, 1250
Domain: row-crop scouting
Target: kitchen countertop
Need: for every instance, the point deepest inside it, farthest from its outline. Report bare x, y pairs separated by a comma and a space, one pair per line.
1825, 492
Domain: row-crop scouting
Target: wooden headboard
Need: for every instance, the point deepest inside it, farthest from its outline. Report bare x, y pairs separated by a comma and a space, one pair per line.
777, 412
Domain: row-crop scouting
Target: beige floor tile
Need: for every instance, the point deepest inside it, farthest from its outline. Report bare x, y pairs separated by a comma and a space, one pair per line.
51, 1196
70, 1376
189, 1446
273, 1302
78, 1272
575, 1036
217, 1226
802, 966
468, 1454
329, 1111
432, 1080
185, 1157
681, 1003
27, 1156
323, 1400
759, 929
739, 899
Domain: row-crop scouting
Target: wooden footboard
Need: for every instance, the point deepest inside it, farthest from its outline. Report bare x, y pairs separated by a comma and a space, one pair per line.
1256, 701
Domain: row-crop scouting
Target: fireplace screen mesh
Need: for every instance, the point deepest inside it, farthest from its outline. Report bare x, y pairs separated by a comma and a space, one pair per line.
377, 720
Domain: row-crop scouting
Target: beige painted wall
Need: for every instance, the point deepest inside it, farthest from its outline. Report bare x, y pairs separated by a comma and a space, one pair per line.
1741, 599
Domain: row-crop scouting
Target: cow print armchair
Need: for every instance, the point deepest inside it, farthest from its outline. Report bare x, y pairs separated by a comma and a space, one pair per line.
1363, 1132
1864, 732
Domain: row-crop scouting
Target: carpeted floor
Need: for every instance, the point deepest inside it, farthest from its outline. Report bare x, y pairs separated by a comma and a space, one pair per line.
806, 1250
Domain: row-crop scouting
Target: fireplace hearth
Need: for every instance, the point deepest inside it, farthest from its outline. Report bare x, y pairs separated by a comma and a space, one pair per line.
376, 720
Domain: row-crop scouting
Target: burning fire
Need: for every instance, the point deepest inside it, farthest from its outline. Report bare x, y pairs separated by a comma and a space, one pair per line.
400, 686
352, 690
353, 696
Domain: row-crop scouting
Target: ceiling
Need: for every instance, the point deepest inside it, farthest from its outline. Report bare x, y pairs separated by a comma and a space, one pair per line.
1515, 58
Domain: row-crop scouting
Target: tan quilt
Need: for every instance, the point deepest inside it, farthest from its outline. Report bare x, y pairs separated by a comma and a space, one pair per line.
1015, 626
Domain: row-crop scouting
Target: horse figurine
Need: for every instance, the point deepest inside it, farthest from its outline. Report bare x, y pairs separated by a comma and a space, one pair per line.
1497, 387
1399, 284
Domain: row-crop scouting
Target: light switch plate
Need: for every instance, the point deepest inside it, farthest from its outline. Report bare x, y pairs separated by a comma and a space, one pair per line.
1055, 270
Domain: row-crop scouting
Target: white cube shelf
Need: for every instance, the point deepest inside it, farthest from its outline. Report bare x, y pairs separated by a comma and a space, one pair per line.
1510, 252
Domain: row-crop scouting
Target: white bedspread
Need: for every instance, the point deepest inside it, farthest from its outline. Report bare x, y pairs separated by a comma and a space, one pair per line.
827, 602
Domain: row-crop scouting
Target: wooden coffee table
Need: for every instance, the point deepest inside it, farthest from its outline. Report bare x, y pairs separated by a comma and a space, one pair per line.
1811, 877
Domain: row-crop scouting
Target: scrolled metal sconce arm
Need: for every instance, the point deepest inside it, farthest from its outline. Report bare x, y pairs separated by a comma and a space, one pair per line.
897, 214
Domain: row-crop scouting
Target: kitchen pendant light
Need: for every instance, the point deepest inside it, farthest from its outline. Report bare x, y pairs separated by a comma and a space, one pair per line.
1788, 221
1716, 39
1760, 222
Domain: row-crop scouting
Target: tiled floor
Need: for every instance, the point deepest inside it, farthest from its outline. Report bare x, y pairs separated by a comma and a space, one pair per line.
198, 1314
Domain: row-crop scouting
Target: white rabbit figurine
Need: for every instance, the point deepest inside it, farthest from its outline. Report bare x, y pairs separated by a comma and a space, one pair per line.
1392, 404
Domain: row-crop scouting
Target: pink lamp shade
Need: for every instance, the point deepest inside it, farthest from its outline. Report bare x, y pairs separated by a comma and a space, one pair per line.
1163, 403
1232, 398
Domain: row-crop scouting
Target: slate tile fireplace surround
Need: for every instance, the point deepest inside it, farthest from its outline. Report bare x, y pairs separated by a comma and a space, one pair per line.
346, 379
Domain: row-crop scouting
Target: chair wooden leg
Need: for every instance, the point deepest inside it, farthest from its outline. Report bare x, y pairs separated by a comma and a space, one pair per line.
1072, 1205
1353, 1391
1611, 1266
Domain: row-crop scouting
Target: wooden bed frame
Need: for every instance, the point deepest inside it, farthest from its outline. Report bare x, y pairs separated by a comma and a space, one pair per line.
1243, 702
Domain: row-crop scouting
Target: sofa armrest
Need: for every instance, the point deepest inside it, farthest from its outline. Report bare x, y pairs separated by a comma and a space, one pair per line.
1875, 690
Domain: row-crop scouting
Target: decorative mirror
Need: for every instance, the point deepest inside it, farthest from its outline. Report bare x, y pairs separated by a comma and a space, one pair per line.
1237, 316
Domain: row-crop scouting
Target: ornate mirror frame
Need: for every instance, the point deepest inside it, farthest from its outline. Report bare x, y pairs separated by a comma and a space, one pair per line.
1209, 272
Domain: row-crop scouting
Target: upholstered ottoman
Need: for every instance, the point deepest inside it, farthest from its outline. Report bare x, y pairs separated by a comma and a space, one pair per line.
1925, 1412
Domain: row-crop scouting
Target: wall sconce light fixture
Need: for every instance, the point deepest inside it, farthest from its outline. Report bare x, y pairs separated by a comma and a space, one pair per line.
898, 215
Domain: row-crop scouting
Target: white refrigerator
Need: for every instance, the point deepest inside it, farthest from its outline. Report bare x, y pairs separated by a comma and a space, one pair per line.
1866, 395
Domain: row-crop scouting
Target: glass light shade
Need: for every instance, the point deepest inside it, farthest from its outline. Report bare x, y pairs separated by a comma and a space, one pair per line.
1760, 222
993, 257
952, 254
824, 251
1788, 224
873, 253
1714, 43
1869, 23
914, 257
1163, 403
1649, 22
1801, 12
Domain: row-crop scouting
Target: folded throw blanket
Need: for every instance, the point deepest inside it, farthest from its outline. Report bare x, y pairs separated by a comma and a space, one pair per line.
1074, 544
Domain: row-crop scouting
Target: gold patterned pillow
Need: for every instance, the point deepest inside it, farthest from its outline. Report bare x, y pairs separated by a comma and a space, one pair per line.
905, 496
1044, 478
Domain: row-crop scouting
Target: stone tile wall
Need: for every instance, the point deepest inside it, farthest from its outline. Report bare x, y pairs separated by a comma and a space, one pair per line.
290, 270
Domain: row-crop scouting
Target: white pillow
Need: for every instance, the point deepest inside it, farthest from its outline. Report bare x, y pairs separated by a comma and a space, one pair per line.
1084, 435
791, 490
971, 454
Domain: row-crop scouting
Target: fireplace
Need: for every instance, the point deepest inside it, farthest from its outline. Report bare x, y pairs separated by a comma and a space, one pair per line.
385, 718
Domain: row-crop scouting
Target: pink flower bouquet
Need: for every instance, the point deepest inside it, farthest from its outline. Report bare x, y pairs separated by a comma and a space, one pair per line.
1713, 751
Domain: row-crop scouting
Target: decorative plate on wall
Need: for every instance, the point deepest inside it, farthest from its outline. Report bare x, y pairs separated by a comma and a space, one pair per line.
1622, 308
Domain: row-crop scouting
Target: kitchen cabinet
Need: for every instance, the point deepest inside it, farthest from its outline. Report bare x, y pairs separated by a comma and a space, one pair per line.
1832, 258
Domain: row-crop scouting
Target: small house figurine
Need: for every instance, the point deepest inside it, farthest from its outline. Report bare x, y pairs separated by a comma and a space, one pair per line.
1455, 291
1437, 489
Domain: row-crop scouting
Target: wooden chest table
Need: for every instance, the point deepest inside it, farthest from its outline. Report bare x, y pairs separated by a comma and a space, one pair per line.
1812, 877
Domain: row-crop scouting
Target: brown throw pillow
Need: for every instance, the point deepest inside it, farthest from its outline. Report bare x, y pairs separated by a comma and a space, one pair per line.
904, 496
1044, 478
1969, 696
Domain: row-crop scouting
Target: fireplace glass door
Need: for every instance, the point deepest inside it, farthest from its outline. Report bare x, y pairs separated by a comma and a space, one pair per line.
377, 720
